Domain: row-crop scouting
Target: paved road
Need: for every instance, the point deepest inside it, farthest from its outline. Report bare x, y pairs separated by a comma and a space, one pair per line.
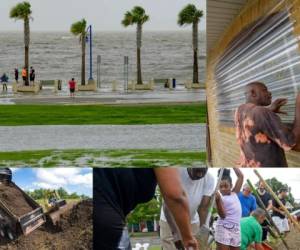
182, 137
158, 96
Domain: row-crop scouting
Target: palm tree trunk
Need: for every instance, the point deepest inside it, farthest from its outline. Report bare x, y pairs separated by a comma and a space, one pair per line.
26, 42
195, 49
138, 53
83, 59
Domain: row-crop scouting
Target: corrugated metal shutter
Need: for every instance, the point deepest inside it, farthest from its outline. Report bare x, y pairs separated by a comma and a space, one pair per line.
265, 51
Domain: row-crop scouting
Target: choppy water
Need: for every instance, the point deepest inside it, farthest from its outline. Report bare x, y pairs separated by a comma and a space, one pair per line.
56, 55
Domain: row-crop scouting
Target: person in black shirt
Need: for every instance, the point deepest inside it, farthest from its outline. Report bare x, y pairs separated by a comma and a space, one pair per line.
279, 216
266, 198
117, 191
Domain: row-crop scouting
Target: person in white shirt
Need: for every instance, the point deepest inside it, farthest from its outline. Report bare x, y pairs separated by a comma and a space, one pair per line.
199, 187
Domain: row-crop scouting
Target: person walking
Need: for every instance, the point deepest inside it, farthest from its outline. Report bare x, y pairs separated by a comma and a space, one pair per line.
24, 76
32, 75
16, 75
228, 234
72, 86
4, 81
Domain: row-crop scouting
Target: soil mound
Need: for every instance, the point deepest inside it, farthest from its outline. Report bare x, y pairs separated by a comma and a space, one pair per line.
292, 239
14, 199
75, 232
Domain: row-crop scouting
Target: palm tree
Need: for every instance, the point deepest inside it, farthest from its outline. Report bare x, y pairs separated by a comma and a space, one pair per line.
79, 29
191, 15
23, 12
137, 16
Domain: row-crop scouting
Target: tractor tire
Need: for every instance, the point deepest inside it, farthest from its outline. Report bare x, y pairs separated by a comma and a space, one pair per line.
10, 234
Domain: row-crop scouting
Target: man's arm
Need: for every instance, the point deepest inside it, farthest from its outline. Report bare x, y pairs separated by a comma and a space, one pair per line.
172, 224
239, 183
296, 127
176, 200
270, 205
203, 209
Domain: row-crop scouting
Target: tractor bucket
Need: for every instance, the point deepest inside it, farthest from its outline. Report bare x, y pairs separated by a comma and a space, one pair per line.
54, 215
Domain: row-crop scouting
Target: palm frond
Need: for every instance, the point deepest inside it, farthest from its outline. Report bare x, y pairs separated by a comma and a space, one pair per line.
189, 14
21, 11
78, 28
128, 19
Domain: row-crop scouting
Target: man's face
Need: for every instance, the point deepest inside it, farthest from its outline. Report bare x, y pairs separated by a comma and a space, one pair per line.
261, 186
284, 194
261, 219
197, 173
246, 191
262, 95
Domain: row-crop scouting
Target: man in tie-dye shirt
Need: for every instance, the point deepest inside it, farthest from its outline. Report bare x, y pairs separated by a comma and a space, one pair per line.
261, 135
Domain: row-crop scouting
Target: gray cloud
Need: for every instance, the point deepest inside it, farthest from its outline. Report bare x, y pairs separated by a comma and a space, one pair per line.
106, 15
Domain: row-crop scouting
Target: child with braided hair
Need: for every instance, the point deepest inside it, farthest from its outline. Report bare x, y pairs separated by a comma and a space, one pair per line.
228, 234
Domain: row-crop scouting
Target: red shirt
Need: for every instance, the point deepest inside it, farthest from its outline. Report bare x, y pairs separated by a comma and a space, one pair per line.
72, 84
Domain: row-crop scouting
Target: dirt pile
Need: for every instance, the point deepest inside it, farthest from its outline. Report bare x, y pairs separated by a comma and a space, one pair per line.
75, 232
292, 239
14, 199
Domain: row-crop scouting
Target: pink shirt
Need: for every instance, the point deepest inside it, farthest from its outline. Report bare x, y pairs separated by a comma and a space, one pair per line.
233, 209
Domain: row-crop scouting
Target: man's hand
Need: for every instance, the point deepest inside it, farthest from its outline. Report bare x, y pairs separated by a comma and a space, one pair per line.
191, 244
277, 104
178, 244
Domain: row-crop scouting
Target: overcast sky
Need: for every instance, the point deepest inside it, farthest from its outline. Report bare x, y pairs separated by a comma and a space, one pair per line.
104, 15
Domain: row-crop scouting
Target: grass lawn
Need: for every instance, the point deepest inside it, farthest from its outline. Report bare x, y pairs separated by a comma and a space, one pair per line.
102, 158
12, 115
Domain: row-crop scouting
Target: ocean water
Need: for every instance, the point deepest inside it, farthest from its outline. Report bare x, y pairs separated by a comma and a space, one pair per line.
56, 55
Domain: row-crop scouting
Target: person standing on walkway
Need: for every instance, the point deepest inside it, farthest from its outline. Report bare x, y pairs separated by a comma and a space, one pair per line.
117, 191
32, 75
266, 198
199, 187
72, 86
248, 201
4, 81
16, 75
251, 230
24, 76
227, 233
278, 215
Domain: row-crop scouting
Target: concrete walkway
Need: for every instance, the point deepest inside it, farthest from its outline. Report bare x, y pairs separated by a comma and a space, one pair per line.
157, 96
182, 137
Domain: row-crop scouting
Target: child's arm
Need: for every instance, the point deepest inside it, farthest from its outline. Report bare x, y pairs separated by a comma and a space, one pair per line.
239, 183
219, 206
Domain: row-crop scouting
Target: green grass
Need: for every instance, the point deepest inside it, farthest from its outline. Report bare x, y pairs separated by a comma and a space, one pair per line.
12, 115
102, 158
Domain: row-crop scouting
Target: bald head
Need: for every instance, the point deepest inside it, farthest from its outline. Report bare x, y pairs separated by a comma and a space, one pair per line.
258, 94
259, 214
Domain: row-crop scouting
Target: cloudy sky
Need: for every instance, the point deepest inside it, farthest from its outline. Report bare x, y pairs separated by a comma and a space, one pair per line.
104, 15
290, 176
79, 180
